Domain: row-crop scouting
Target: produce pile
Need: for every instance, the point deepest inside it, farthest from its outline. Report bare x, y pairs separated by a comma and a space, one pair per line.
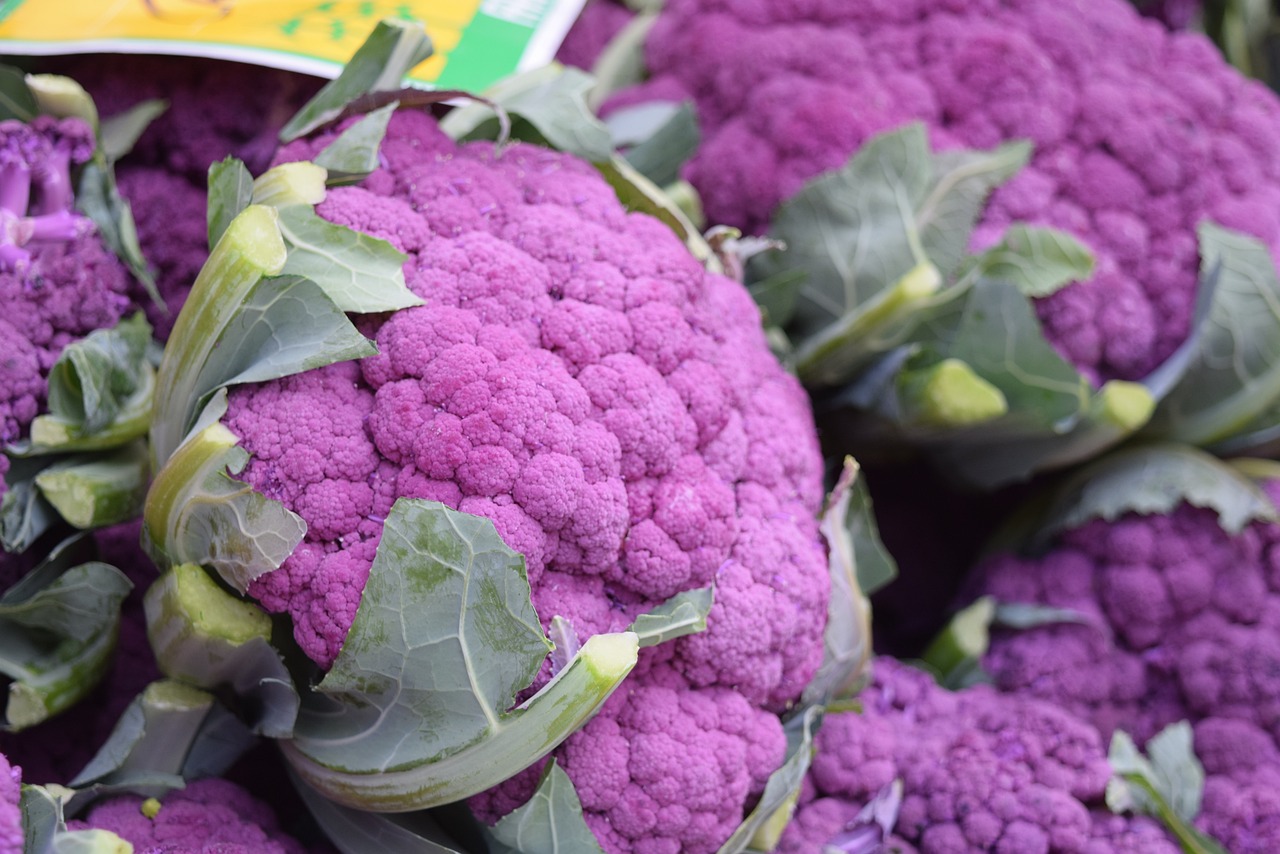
385, 472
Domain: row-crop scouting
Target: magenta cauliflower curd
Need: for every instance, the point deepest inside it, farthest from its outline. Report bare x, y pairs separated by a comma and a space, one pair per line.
576, 377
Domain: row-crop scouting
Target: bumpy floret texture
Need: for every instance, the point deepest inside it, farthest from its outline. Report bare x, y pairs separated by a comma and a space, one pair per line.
1181, 622
980, 771
1139, 133
598, 23
215, 110
10, 807
207, 817
580, 380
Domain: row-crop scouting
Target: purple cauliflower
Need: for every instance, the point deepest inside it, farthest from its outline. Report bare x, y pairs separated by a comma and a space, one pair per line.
11, 836
1139, 134
58, 282
1181, 622
579, 379
980, 771
209, 816
598, 23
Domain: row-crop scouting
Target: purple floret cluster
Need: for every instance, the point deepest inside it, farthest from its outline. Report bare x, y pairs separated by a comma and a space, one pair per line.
1181, 622
1139, 134
980, 771
58, 282
207, 817
579, 379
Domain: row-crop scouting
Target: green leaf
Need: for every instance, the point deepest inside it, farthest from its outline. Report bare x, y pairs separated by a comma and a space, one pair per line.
358, 272
121, 132
163, 738
16, 98
358, 831
250, 249
230, 192
62, 97
205, 637
849, 530
196, 512
101, 376
1154, 480
682, 614
638, 193
56, 642
1167, 786
1038, 261
763, 827
94, 491
417, 712
24, 513
99, 199
390, 52
1234, 375
551, 101
660, 137
549, 823
354, 154
44, 825
857, 230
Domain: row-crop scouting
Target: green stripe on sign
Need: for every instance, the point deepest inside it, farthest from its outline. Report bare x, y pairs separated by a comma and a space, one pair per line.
8, 7
490, 49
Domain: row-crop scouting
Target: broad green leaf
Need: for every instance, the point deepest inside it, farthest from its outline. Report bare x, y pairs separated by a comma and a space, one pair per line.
354, 154
1153, 480
682, 614
44, 825
659, 138
417, 712
551, 104
230, 192
358, 272
359, 832
119, 133
1234, 375
1038, 261
196, 512
99, 199
850, 534
390, 52
208, 638
859, 229
97, 380
549, 823
1167, 786
472, 620
284, 325
57, 643
763, 827
638, 193
161, 739
94, 491
24, 513
16, 98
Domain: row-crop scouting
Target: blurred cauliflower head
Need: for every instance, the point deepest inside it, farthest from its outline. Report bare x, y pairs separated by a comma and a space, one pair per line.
579, 379
1138, 133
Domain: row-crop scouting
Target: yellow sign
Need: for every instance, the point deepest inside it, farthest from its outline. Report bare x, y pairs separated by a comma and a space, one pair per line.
477, 42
